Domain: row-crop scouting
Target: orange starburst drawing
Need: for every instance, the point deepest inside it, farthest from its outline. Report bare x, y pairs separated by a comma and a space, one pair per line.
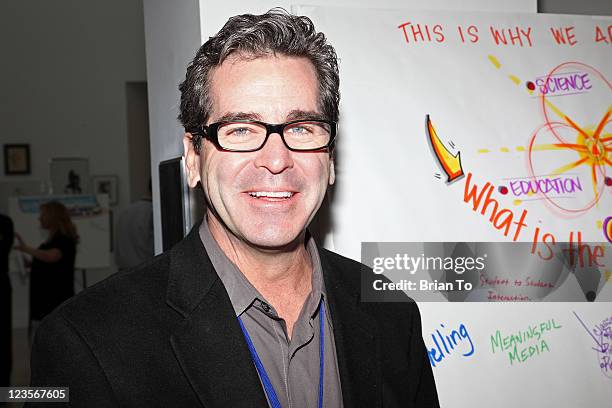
591, 143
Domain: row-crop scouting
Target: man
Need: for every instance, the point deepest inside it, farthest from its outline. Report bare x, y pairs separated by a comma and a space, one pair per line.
134, 234
246, 311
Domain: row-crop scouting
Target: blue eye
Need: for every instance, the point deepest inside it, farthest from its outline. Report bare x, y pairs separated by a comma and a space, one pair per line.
239, 131
300, 129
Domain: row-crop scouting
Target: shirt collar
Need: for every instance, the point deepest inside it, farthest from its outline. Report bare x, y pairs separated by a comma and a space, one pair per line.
241, 292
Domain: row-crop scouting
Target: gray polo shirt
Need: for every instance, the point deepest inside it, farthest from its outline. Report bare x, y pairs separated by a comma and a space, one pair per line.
292, 365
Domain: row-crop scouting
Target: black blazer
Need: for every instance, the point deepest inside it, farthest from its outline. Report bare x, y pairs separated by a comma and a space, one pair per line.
165, 335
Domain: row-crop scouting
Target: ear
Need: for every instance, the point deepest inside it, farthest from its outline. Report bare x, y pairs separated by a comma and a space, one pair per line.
192, 161
332, 172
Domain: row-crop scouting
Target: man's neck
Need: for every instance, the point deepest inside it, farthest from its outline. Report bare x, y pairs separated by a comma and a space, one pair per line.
283, 277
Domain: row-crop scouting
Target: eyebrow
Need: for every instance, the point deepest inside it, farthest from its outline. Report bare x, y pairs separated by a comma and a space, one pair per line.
230, 116
295, 114
298, 114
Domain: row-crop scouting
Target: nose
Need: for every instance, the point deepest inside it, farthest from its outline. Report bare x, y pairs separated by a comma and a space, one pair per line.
274, 155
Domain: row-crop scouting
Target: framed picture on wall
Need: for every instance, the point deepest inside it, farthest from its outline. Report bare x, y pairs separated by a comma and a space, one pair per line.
69, 175
106, 185
16, 159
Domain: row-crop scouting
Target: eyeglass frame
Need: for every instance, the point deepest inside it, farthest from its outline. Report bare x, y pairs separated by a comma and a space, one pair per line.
210, 132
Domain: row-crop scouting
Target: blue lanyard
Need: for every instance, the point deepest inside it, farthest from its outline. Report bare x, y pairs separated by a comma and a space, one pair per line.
268, 388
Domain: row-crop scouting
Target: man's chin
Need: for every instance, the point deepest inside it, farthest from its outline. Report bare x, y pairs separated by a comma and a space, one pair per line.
275, 242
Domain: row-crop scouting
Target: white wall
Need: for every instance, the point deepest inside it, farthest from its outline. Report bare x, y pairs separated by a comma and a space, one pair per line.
63, 72
172, 38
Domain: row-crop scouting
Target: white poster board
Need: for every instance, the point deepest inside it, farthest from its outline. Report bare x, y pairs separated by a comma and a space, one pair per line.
525, 99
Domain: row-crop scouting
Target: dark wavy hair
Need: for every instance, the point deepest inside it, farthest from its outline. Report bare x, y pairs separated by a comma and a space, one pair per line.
252, 36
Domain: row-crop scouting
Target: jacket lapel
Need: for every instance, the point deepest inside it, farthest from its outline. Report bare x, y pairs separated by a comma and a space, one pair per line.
213, 354
208, 342
355, 339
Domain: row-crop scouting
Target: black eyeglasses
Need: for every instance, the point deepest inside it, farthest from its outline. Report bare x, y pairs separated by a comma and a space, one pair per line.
250, 135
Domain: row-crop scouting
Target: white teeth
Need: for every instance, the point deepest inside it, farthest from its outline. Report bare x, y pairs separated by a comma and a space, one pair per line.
271, 194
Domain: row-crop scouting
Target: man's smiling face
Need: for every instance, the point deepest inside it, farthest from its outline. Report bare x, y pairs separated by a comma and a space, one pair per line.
268, 197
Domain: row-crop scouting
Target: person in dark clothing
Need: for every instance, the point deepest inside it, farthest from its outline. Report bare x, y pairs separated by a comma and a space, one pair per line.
6, 349
52, 273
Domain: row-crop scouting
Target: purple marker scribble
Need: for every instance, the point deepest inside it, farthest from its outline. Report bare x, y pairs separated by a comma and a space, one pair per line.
564, 83
602, 334
547, 185
586, 328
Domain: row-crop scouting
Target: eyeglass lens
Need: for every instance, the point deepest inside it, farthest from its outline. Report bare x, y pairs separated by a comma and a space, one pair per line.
307, 135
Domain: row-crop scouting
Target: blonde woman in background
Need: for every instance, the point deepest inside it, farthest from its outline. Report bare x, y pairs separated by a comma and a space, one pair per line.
52, 272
